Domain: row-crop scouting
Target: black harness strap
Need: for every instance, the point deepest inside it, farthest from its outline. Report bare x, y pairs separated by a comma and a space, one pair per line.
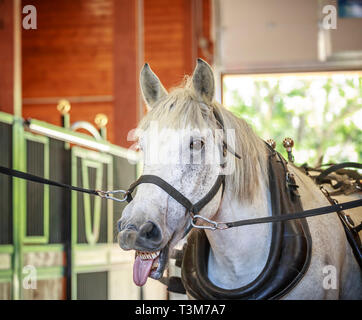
298, 215
178, 196
192, 208
220, 181
219, 119
31, 177
163, 185
197, 207
336, 167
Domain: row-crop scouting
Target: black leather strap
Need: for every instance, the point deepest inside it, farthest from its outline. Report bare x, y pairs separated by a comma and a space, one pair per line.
336, 167
31, 177
298, 215
219, 119
178, 196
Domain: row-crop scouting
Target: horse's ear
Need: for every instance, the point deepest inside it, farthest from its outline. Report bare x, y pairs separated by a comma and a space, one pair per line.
203, 81
151, 86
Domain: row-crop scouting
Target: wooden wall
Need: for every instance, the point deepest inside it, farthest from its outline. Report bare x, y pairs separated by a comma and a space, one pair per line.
72, 45
126, 68
171, 34
88, 51
168, 42
82, 52
69, 55
6, 55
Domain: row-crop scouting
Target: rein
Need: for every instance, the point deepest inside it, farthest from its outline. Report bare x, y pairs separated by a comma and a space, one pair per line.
193, 209
33, 178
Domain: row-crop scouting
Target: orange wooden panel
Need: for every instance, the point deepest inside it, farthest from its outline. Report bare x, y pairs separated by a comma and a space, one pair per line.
71, 51
90, 48
168, 39
84, 48
6, 56
126, 69
206, 32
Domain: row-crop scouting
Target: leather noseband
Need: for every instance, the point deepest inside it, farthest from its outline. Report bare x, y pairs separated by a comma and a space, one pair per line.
178, 196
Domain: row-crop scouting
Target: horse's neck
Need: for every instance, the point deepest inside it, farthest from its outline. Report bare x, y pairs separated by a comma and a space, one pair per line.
238, 255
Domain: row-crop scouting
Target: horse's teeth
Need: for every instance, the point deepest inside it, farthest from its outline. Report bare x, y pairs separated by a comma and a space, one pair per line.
148, 255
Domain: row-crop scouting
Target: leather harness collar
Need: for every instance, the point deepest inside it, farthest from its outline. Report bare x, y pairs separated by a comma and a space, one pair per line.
288, 258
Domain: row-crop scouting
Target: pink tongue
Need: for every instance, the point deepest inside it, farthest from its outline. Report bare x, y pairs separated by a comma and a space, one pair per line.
141, 270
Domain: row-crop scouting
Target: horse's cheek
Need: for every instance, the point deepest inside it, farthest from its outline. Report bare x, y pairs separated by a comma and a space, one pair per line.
175, 219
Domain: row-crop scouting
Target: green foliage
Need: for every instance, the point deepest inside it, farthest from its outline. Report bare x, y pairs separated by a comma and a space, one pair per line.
323, 114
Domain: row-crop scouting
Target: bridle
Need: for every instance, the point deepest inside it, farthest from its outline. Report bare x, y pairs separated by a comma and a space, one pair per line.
195, 209
192, 208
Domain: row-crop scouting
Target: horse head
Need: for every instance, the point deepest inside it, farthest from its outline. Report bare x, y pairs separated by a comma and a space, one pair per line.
181, 141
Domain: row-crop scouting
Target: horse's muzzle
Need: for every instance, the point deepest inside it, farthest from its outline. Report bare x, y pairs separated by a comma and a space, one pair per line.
148, 237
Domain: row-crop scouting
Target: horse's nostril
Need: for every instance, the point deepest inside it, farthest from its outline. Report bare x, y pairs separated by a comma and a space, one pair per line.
150, 232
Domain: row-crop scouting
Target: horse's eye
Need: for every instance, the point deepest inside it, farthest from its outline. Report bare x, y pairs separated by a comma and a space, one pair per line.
196, 145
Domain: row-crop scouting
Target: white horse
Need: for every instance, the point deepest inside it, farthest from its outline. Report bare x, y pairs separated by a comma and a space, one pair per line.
154, 222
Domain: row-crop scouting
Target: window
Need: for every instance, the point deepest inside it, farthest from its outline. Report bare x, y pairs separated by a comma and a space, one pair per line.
322, 112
